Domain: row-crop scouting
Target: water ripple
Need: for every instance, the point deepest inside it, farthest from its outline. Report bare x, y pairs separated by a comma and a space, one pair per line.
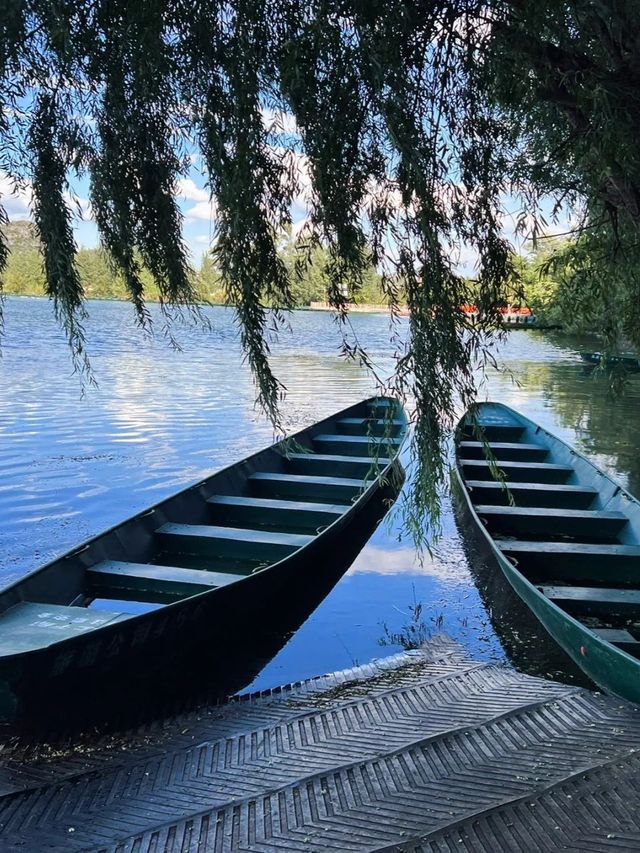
72, 465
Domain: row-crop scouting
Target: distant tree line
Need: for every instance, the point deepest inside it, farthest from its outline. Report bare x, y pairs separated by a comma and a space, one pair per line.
551, 279
561, 280
24, 273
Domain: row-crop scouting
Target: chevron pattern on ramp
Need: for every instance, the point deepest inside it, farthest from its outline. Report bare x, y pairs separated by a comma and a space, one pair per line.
426, 752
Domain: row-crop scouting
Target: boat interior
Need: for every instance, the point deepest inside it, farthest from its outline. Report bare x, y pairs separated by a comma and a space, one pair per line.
566, 526
239, 520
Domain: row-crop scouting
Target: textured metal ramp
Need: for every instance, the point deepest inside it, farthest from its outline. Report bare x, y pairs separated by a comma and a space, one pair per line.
422, 752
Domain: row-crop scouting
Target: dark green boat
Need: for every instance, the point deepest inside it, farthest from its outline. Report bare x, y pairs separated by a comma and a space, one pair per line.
566, 536
182, 580
628, 362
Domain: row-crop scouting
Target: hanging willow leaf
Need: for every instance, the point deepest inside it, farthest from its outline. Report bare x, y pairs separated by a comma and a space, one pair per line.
407, 130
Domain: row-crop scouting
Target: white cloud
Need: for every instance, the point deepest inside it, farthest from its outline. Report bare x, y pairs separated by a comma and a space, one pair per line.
189, 190
205, 210
279, 121
522, 220
15, 199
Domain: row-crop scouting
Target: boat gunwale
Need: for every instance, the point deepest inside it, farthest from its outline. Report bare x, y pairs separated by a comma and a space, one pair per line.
508, 568
113, 627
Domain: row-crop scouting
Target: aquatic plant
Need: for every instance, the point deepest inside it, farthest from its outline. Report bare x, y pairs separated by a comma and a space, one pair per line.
415, 632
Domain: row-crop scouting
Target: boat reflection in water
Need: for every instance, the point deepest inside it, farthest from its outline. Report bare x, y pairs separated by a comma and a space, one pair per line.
243, 640
525, 642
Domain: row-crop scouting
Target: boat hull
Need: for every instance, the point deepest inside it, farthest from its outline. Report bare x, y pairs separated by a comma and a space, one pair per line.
191, 639
608, 667
628, 363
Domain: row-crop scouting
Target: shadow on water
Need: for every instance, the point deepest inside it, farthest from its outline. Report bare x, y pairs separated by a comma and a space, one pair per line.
240, 644
606, 423
529, 648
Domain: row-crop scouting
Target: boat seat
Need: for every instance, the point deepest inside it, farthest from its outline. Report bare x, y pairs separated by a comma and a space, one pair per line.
31, 625
582, 550
325, 463
236, 510
620, 638
152, 582
234, 542
354, 445
580, 561
504, 450
497, 420
521, 472
496, 430
532, 494
306, 488
591, 600
591, 524
369, 426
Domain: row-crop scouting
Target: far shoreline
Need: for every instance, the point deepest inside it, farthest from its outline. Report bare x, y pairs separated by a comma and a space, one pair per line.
318, 308
355, 309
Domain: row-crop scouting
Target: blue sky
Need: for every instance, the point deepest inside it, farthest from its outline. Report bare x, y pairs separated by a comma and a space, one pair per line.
193, 200
199, 214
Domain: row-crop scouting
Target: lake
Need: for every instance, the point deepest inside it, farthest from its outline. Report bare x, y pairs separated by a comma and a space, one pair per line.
73, 464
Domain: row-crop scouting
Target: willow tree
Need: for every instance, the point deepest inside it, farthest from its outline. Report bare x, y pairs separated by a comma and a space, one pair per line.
404, 125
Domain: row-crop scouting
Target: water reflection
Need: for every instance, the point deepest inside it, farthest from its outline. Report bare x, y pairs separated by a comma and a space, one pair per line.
160, 419
373, 600
603, 423
525, 642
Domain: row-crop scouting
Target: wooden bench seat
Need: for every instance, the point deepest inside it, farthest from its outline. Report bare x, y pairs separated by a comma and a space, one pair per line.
369, 426
504, 450
496, 430
327, 464
589, 524
531, 494
237, 510
150, 582
619, 637
354, 445
571, 548
234, 542
335, 490
604, 602
379, 407
521, 472
598, 563
31, 625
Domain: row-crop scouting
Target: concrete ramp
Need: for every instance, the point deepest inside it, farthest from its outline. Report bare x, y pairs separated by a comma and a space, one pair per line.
425, 751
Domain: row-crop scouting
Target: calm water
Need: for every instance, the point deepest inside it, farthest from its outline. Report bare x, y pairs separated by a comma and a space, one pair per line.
71, 466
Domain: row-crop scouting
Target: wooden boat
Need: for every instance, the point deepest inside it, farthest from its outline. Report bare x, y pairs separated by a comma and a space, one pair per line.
181, 579
629, 362
565, 534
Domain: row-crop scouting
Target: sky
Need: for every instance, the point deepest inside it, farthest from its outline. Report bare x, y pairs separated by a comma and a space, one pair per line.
199, 214
193, 199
